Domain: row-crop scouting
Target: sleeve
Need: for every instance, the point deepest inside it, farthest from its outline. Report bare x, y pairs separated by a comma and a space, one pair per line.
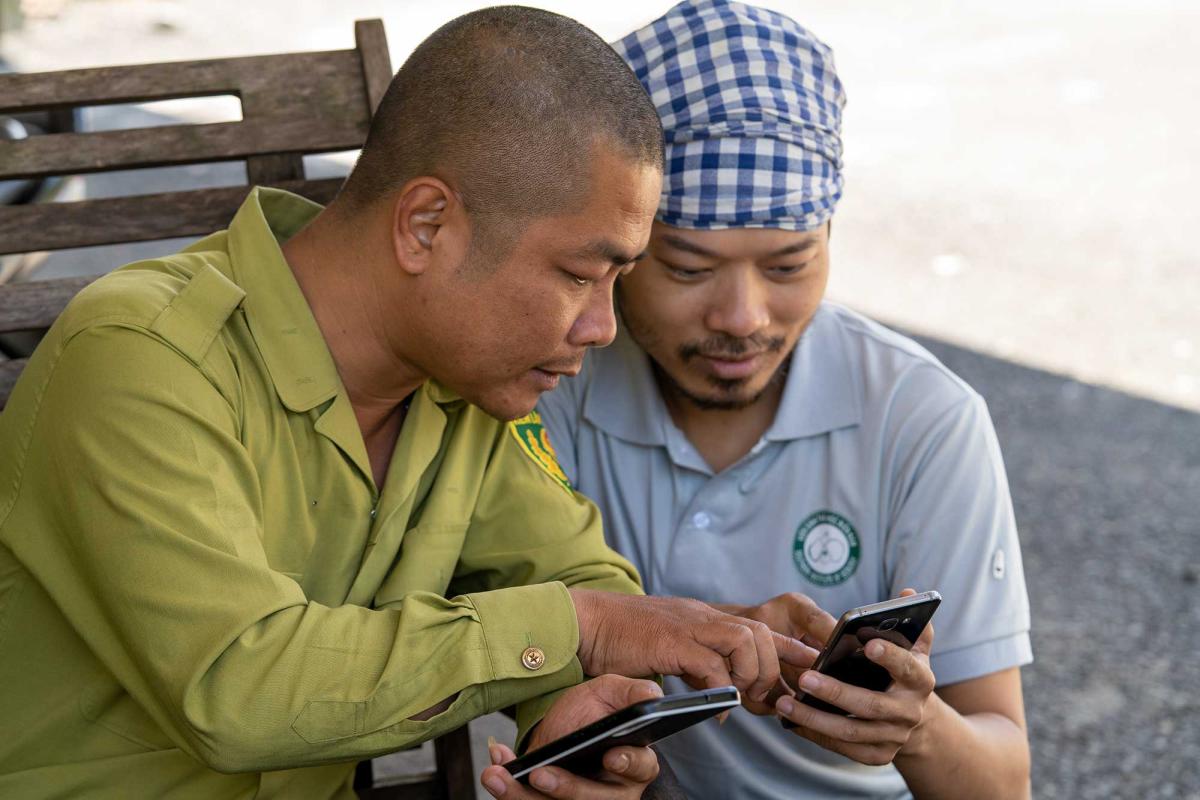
530, 527
951, 528
139, 513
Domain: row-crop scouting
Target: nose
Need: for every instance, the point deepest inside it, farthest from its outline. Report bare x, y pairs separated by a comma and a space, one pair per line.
739, 304
596, 325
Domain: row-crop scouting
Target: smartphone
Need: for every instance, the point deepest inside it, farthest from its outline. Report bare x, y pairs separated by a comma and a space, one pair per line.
899, 621
639, 725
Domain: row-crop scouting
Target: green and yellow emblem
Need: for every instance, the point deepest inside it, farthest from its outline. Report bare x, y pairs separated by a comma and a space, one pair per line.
531, 436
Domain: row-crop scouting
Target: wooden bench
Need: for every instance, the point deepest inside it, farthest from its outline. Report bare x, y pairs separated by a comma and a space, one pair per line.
292, 104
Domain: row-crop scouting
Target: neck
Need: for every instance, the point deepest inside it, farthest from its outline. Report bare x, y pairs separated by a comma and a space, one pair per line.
722, 436
356, 306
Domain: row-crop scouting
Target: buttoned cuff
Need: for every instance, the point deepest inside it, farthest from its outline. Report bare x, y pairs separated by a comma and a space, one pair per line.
531, 635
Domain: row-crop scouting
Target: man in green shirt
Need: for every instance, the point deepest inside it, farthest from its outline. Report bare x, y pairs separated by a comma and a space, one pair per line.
259, 515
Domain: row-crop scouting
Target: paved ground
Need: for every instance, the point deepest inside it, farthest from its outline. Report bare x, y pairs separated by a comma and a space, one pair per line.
1020, 182
1105, 488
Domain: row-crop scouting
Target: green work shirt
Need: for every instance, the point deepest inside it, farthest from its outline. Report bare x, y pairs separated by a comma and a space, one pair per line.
202, 591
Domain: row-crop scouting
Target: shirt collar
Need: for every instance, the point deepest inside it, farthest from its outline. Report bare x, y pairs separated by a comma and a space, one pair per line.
279, 316
821, 393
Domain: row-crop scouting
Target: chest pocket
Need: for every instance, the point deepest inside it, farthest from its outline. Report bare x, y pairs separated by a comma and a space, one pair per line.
425, 561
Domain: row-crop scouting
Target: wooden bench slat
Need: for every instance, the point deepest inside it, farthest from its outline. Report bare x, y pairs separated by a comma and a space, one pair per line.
317, 115
35, 305
141, 83
376, 62
83, 153
116, 220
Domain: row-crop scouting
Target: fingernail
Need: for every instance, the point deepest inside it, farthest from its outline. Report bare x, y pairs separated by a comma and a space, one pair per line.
875, 649
622, 763
810, 680
786, 705
495, 785
494, 751
544, 780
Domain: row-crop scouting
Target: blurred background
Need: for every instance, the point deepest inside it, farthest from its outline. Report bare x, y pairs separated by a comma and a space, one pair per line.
1020, 195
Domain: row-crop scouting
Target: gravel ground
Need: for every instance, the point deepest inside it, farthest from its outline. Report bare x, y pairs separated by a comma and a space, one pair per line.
1105, 487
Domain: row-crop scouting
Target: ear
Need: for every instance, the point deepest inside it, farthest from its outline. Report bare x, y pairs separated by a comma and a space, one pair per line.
421, 219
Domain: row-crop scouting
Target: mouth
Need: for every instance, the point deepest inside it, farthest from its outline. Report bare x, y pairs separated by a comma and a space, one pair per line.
568, 372
730, 367
544, 380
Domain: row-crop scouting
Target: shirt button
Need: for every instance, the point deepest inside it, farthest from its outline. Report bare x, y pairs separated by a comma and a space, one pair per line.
533, 658
374, 511
701, 520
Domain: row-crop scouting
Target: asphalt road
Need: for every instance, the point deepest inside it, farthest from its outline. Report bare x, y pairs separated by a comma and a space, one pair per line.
1105, 487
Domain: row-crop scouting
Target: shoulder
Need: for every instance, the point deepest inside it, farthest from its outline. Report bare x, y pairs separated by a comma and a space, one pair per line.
896, 375
183, 300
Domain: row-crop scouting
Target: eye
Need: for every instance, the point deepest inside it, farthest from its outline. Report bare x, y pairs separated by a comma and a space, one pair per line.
576, 279
685, 273
787, 271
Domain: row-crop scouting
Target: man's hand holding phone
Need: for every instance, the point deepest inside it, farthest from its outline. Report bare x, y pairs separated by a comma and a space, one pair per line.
795, 616
884, 722
628, 770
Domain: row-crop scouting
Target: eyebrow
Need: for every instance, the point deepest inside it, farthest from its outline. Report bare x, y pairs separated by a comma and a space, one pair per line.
607, 251
689, 247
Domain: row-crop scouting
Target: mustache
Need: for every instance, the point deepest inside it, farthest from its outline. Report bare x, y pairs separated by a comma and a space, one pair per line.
722, 345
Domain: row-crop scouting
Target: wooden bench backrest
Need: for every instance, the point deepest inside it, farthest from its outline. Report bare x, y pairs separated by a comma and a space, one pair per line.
292, 104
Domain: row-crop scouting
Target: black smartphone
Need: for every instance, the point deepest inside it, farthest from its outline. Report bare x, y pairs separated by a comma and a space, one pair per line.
640, 724
899, 621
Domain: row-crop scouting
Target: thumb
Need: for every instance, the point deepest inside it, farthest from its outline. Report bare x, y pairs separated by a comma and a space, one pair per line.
619, 692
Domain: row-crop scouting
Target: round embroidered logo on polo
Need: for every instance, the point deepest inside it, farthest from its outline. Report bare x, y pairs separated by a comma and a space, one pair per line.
826, 548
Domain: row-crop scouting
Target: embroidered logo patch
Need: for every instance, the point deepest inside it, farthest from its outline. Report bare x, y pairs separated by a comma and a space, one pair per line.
531, 436
826, 548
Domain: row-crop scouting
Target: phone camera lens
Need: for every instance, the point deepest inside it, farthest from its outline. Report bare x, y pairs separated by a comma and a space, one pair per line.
888, 624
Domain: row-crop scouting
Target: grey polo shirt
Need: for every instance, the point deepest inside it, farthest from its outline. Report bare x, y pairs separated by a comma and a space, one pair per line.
881, 470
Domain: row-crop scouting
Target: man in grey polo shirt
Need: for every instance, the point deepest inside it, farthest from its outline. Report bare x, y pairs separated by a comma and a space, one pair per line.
746, 440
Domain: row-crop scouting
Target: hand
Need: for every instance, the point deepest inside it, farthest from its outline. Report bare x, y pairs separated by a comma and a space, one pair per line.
792, 614
627, 770
795, 616
884, 723
637, 636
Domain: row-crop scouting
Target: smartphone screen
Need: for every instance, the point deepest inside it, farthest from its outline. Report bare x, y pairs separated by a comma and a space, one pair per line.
899, 621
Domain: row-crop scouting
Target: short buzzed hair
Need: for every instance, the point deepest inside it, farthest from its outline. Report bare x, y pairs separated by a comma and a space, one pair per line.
504, 104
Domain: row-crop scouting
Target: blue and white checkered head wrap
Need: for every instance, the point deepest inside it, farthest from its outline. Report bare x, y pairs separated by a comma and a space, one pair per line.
752, 111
